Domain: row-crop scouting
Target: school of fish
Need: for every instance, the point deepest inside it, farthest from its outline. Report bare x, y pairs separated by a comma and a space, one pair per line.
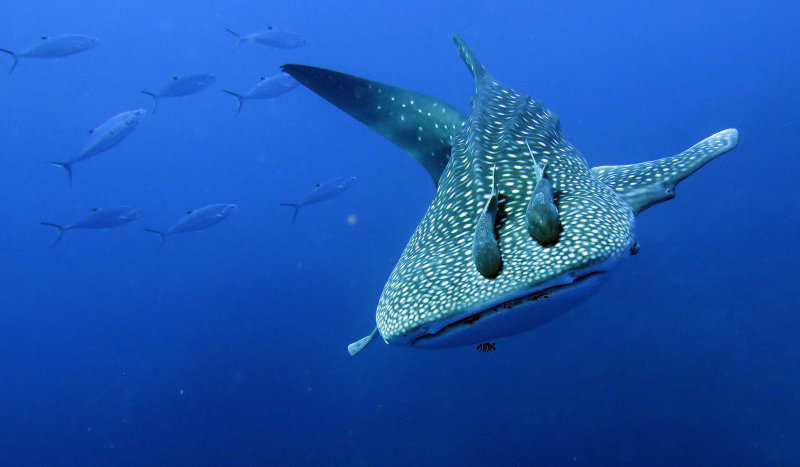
113, 131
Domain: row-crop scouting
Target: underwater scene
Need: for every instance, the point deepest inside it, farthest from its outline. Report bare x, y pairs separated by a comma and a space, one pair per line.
442, 233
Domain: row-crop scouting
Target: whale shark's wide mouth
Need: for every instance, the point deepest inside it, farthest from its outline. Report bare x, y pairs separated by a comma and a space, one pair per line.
511, 316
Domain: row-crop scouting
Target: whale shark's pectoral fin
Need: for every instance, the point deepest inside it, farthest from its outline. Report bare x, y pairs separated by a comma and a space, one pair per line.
422, 125
648, 183
360, 344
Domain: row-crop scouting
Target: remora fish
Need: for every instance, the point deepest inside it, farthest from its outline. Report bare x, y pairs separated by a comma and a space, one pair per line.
105, 136
272, 37
198, 219
182, 86
267, 88
322, 192
99, 219
436, 296
53, 47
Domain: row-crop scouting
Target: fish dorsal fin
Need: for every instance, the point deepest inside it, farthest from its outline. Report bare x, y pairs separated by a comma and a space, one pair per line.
539, 169
645, 184
421, 125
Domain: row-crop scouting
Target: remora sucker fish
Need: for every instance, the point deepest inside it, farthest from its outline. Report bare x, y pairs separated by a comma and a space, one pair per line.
448, 287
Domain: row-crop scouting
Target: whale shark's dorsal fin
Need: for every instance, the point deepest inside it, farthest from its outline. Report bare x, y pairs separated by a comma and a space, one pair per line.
475, 66
645, 184
422, 125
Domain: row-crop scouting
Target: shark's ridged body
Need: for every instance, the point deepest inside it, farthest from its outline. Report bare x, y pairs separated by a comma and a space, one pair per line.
441, 293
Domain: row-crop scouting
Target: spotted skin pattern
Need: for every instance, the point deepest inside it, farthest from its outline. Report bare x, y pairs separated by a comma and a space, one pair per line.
422, 125
436, 286
436, 281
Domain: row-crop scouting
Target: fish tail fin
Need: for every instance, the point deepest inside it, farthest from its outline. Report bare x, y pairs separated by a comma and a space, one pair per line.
161, 235
239, 99
238, 37
155, 98
66, 166
296, 209
60, 228
13, 57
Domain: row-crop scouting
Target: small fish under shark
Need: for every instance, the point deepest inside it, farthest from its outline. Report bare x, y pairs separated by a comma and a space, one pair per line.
181, 86
322, 192
53, 47
105, 218
104, 137
520, 229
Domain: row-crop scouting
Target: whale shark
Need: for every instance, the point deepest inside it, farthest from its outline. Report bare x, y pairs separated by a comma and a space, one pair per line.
520, 229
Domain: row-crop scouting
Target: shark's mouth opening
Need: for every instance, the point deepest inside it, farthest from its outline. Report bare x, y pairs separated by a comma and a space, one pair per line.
512, 316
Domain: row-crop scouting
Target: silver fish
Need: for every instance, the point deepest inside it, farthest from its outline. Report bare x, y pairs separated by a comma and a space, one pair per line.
267, 88
198, 219
182, 86
438, 296
105, 136
53, 47
322, 192
271, 37
99, 219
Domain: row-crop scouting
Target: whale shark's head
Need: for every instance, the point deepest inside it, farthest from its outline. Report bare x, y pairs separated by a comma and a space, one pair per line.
436, 296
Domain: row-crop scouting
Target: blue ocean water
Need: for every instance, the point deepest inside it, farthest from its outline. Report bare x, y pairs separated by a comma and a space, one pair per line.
228, 346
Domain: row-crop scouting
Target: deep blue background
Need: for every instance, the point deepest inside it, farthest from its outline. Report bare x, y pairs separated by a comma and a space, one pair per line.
690, 353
